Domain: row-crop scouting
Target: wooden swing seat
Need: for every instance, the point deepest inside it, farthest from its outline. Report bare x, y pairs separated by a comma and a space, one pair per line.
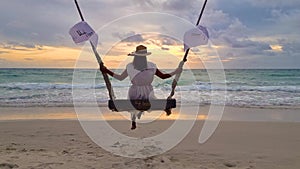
141, 105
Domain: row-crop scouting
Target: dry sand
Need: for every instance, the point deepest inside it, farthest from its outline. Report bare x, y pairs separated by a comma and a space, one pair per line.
45, 144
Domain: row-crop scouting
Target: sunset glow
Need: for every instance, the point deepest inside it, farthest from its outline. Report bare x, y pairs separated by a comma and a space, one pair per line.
33, 39
276, 48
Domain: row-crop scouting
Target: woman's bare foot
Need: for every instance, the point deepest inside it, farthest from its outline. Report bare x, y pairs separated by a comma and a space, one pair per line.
133, 125
168, 112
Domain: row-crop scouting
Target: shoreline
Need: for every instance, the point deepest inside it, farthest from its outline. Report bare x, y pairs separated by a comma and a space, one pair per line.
69, 113
105, 105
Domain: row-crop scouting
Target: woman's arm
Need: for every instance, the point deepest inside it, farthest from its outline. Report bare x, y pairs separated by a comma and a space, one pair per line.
167, 75
121, 76
117, 76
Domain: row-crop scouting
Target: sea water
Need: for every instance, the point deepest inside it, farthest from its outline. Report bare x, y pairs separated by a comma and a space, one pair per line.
53, 87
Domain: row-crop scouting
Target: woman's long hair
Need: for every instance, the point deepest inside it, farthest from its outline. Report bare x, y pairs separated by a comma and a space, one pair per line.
140, 62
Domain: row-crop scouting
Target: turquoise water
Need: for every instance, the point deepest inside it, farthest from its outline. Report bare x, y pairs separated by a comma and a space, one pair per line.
53, 87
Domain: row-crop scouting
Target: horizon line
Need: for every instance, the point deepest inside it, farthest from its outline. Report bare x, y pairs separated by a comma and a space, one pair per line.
161, 68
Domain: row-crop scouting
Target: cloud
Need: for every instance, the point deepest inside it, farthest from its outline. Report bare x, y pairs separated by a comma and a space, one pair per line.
285, 22
164, 48
145, 3
3, 52
169, 41
12, 45
17, 24
129, 37
274, 3
159, 40
245, 38
290, 48
29, 59
183, 9
179, 5
246, 43
241, 29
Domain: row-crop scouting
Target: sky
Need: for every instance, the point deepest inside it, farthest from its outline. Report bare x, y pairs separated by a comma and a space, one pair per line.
251, 34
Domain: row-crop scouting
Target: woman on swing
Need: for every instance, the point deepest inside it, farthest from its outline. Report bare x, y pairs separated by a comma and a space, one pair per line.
141, 73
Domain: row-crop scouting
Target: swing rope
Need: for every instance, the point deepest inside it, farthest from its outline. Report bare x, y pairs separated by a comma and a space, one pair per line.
106, 78
100, 62
174, 83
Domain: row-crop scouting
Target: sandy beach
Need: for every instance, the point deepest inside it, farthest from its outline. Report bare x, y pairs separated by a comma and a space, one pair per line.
61, 143
232, 66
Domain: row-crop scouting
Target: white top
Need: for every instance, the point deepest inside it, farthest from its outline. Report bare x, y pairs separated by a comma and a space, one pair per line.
132, 72
141, 81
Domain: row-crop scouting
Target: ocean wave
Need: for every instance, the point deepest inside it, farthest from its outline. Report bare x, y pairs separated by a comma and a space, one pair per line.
265, 88
28, 97
199, 93
47, 86
239, 88
104, 104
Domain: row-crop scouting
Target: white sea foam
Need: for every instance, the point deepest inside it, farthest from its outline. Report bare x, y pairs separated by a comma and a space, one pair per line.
244, 88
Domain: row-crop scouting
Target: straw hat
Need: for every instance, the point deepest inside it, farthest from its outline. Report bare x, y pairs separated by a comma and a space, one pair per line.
140, 50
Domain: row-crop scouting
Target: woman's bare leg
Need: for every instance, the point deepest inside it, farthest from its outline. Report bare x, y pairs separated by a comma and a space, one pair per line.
133, 123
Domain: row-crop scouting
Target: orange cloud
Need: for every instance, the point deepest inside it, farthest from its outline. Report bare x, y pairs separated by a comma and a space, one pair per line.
39, 57
276, 48
67, 57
